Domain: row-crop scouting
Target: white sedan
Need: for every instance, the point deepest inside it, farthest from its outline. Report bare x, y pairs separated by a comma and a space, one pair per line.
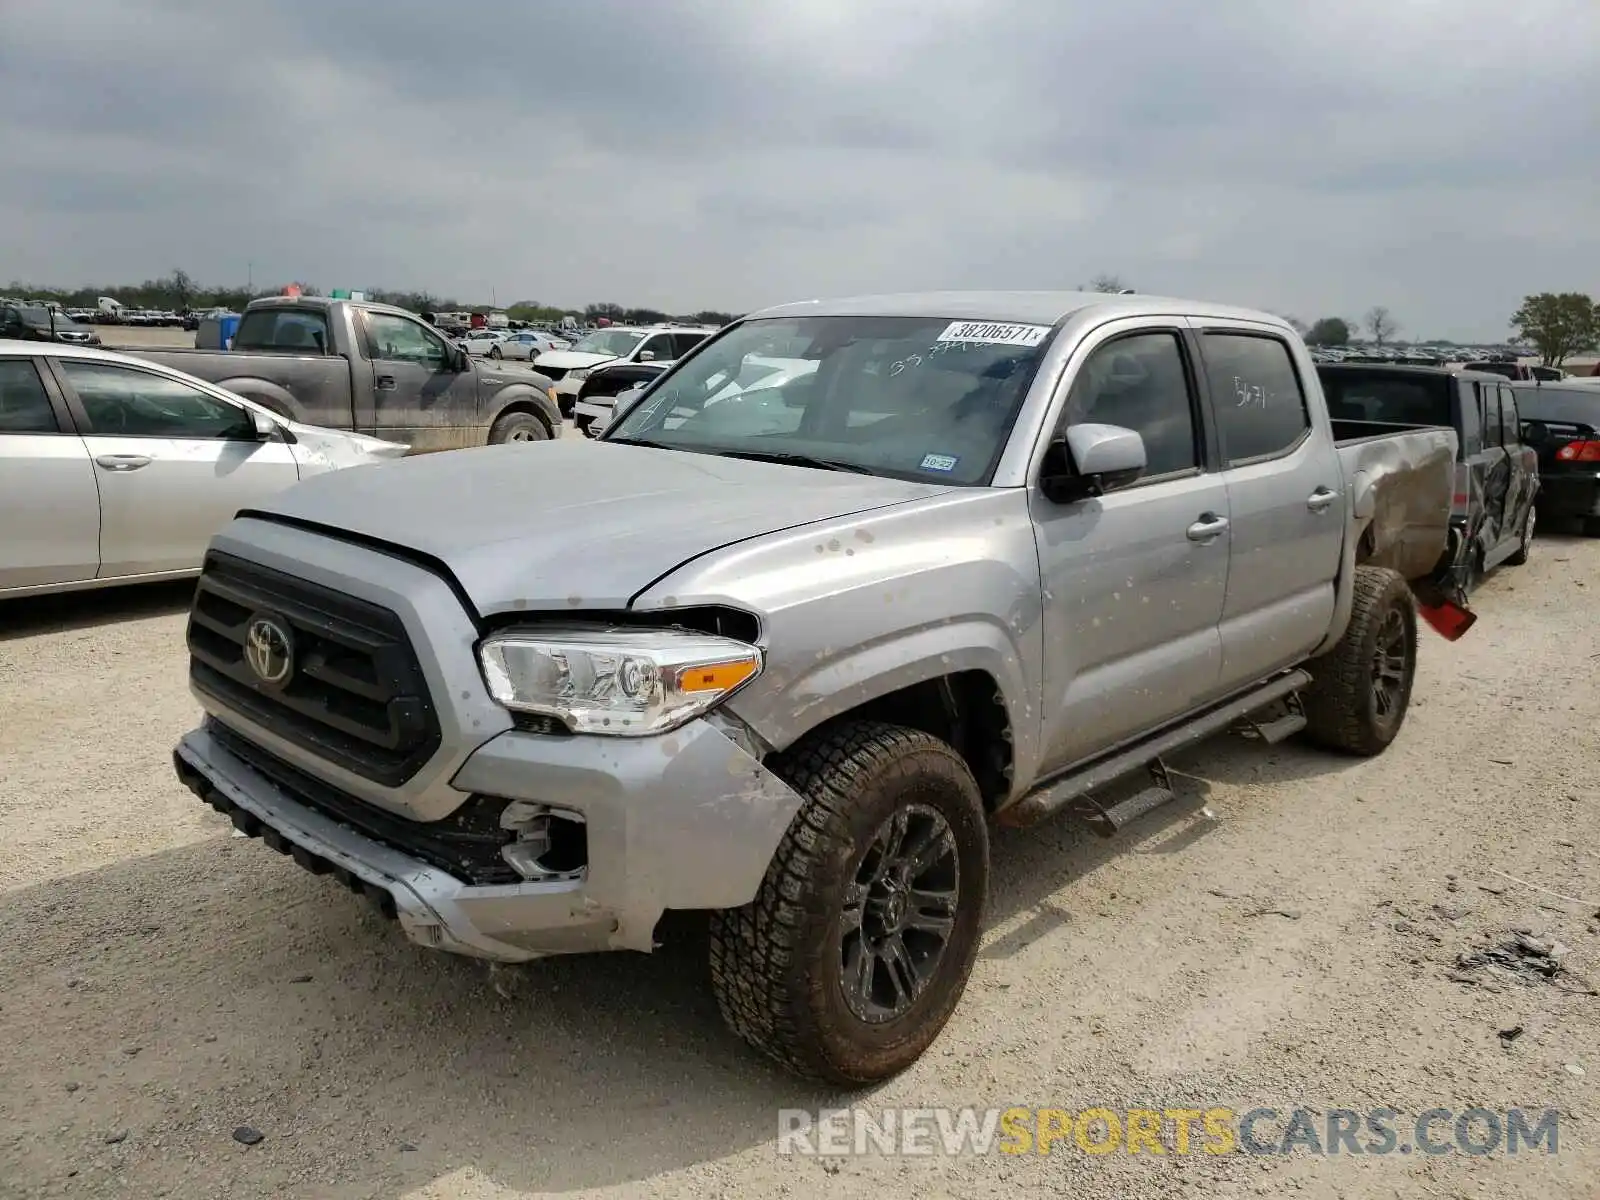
482, 341
118, 470
528, 344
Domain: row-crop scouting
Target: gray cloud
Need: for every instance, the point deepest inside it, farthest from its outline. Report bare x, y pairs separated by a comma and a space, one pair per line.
1439, 159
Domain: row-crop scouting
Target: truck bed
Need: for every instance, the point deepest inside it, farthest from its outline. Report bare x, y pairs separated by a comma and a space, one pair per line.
1402, 483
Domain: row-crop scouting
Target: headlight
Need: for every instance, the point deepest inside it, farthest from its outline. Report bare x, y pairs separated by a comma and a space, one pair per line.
621, 682
580, 373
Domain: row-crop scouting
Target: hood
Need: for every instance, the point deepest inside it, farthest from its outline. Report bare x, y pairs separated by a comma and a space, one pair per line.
570, 360
569, 524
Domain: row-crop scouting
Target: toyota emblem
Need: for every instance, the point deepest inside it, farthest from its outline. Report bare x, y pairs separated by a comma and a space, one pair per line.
269, 651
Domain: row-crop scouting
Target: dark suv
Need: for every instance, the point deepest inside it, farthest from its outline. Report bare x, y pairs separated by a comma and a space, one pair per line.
35, 323
1497, 473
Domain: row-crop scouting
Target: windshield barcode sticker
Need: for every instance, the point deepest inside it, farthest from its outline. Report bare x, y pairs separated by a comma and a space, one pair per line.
993, 333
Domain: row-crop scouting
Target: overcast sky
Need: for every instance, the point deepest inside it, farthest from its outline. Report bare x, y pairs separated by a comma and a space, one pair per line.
1441, 157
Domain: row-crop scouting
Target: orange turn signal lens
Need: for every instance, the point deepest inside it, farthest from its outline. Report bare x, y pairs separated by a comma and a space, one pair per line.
716, 677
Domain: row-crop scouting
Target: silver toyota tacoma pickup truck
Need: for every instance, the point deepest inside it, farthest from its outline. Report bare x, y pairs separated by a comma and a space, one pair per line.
782, 651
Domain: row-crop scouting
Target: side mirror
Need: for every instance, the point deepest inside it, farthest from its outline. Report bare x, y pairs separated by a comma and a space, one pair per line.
1091, 460
265, 427
647, 356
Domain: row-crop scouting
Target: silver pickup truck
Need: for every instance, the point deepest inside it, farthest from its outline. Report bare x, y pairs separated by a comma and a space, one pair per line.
781, 653
374, 369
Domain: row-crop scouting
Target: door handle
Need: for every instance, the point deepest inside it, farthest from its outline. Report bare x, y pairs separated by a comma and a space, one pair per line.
1320, 499
1208, 528
385, 383
122, 462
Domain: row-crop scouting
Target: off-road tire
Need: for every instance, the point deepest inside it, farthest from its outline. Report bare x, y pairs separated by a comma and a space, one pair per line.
1340, 706
775, 963
1525, 546
518, 427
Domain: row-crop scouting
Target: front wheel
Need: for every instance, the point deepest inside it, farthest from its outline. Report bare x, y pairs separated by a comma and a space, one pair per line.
518, 427
586, 426
1360, 689
859, 945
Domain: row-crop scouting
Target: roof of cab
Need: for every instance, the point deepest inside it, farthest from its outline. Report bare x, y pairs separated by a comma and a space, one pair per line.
1036, 308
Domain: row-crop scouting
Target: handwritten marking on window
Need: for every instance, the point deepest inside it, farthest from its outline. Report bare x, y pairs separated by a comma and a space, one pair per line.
1250, 395
916, 360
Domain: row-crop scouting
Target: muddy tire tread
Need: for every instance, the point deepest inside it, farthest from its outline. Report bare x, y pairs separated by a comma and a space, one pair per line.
755, 949
1336, 703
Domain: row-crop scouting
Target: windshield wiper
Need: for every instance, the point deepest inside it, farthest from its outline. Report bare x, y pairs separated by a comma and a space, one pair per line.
633, 441
794, 460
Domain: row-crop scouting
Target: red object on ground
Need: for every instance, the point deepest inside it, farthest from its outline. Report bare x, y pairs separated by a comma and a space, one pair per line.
1449, 620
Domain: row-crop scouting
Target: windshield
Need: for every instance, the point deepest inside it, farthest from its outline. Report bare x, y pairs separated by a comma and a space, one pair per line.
922, 398
615, 342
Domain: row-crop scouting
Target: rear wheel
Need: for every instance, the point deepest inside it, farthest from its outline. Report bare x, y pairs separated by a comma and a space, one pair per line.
518, 427
1361, 688
858, 947
494, 352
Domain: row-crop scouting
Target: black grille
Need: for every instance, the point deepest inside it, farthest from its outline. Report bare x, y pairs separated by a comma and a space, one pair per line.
356, 696
553, 374
466, 844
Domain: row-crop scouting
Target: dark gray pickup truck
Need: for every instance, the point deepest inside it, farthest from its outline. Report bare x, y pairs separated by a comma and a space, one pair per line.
374, 369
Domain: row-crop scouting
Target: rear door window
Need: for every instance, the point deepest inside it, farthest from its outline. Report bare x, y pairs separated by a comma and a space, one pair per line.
24, 404
1261, 408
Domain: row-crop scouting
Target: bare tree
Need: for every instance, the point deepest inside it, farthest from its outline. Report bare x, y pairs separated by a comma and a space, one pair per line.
1380, 323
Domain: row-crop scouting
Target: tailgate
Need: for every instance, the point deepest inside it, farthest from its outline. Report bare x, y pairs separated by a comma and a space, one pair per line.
1402, 485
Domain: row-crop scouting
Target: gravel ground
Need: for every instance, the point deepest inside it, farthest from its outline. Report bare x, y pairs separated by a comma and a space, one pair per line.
1281, 937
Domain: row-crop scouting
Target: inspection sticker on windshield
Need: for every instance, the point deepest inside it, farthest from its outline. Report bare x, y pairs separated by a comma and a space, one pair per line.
993, 333
939, 462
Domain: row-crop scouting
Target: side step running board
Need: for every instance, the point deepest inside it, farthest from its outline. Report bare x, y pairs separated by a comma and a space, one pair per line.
1107, 822
1059, 793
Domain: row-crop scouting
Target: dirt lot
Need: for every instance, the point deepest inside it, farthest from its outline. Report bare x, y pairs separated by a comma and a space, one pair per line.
163, 983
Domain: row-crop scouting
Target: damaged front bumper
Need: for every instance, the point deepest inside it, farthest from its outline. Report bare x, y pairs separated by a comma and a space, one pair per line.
689, 820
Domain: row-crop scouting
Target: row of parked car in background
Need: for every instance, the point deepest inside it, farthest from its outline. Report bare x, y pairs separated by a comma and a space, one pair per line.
1497, 360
